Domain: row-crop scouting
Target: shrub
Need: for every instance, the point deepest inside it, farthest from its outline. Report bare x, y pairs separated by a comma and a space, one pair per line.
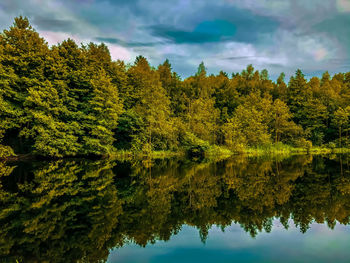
195, 147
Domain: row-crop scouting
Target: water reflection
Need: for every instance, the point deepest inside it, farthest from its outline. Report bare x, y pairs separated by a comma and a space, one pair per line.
77, 210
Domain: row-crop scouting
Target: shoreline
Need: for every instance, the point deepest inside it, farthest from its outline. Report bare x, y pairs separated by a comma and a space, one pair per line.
214, 153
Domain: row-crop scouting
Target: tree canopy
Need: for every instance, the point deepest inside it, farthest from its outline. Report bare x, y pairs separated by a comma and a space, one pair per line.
71, 100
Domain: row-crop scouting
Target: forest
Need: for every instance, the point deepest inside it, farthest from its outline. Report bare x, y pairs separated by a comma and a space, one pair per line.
70, 100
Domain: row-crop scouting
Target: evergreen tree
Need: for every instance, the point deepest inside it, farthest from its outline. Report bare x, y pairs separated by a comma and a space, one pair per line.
23, 60
280, 88
172, 84
153, 105
70, 100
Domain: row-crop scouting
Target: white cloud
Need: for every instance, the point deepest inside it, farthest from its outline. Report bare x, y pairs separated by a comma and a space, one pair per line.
54, 38
118, 52
343, 5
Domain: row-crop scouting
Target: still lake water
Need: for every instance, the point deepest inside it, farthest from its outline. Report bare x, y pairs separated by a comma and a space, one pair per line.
294, 209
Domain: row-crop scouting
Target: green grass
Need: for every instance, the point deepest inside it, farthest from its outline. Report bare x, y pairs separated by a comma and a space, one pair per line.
283, 149
215, 152
129, 155
278, 148
218, 152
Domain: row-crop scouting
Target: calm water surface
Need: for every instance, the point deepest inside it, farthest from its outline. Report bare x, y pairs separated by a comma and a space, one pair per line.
294, 209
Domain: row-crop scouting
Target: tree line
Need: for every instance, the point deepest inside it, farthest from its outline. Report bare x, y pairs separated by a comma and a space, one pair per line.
70, 100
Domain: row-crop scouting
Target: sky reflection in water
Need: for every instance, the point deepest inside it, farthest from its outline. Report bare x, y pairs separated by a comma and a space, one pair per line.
319, 244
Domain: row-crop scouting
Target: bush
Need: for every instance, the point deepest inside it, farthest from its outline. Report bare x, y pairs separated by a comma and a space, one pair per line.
303, 143
195, 147
332, 145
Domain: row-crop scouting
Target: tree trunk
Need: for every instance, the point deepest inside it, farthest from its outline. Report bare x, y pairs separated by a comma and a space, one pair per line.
276, 139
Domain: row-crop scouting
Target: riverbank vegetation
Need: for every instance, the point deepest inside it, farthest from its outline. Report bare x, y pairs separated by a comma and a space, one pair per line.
70, 100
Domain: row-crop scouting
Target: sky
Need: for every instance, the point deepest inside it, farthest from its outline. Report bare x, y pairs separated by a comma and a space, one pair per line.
228, 35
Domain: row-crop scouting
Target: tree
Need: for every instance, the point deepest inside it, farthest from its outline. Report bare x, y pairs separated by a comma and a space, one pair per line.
172, 84
248, 124
225, 94
105, 110
72, 100
202, 118
297, 94
281, 123
23, 61
280, 88
8, 113
341, 120
153, 105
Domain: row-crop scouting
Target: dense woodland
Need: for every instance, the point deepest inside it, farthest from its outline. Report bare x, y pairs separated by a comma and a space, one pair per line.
69, 211
70, 100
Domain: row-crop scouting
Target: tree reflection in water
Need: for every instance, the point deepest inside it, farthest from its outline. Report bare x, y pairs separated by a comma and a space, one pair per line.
77, 210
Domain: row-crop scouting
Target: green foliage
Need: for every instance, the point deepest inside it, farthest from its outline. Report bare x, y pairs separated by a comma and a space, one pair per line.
341, 120
281, 125
153, 106
59, 101
67, 100
303, 143
247, 127
202, 118
130, 127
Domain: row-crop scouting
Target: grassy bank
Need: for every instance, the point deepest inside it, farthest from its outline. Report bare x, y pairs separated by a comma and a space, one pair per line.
127, 155
212, 152
282, 149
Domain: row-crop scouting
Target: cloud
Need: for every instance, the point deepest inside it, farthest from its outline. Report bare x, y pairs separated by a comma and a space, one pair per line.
113, 40
241, 58
180, 36
343, 6
244, 30
280, 35
53, 24
118, 52
54, 38
338, 29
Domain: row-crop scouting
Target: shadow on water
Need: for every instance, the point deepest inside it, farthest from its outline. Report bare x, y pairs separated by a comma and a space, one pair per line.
77, 210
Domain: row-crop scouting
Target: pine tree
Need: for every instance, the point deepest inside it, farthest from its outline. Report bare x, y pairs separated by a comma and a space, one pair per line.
153, 105
23, 59
172, 84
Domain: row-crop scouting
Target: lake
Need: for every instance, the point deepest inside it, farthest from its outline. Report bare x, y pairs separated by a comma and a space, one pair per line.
268, 209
